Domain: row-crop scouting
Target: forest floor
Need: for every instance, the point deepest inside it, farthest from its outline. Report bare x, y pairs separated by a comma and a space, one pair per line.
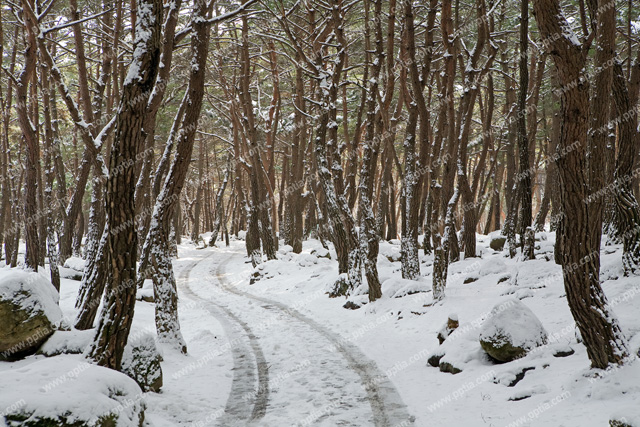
279, 352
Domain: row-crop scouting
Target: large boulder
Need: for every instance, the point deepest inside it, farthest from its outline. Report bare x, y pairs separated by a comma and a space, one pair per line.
511, 331
141, 362
67, 390
29, 313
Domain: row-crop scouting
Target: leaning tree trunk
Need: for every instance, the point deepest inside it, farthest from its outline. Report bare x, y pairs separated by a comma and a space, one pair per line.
164, 283
119, 302
598, 326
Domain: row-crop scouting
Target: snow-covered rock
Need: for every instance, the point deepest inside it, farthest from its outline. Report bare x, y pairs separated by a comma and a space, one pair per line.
70, 273
390, 251
67, 390
321, 253
75, 263
461, 350
285, 249
494, 266
141, 362
29, 312
397, 287
511, 331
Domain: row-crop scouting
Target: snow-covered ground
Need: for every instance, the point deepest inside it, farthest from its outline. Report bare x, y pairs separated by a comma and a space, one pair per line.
281, 353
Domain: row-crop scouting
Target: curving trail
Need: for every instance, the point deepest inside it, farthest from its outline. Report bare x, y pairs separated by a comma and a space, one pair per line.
317, 377
244, 404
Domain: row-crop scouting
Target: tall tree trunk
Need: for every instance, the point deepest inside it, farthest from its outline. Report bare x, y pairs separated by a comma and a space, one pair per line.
627, 212
524, 176
368, 235
117, 314
30, 139
598, 326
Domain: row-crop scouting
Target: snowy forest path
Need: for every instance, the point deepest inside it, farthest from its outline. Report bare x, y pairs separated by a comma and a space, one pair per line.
315, 376
244, 403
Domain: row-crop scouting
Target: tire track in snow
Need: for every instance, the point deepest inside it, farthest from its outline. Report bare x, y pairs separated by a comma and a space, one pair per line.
238, 409
386, 404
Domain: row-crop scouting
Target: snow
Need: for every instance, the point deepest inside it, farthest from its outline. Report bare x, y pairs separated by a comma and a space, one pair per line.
73, 341
282, 348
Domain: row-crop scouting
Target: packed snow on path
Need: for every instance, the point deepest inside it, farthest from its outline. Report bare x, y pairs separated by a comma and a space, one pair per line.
279, 352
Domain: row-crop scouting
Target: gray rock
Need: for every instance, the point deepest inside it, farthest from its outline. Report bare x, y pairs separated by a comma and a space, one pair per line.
619, 423
321, 253
451, 325
448, 367
497, 243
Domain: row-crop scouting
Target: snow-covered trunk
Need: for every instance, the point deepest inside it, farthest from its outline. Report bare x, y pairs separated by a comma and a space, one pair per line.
450, 241
596, 322
525, 172
148, 185
96, 216
440, 264
427, 244
143, 191
344, 234
510, 220
541, 216
446, 132
159, 176
164, 283
195, 229
261, 193
409, 240
600, 106
52, 250
414, 177
119, 302
252, 239
165, 290
294, 200
473, 75
368, 235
